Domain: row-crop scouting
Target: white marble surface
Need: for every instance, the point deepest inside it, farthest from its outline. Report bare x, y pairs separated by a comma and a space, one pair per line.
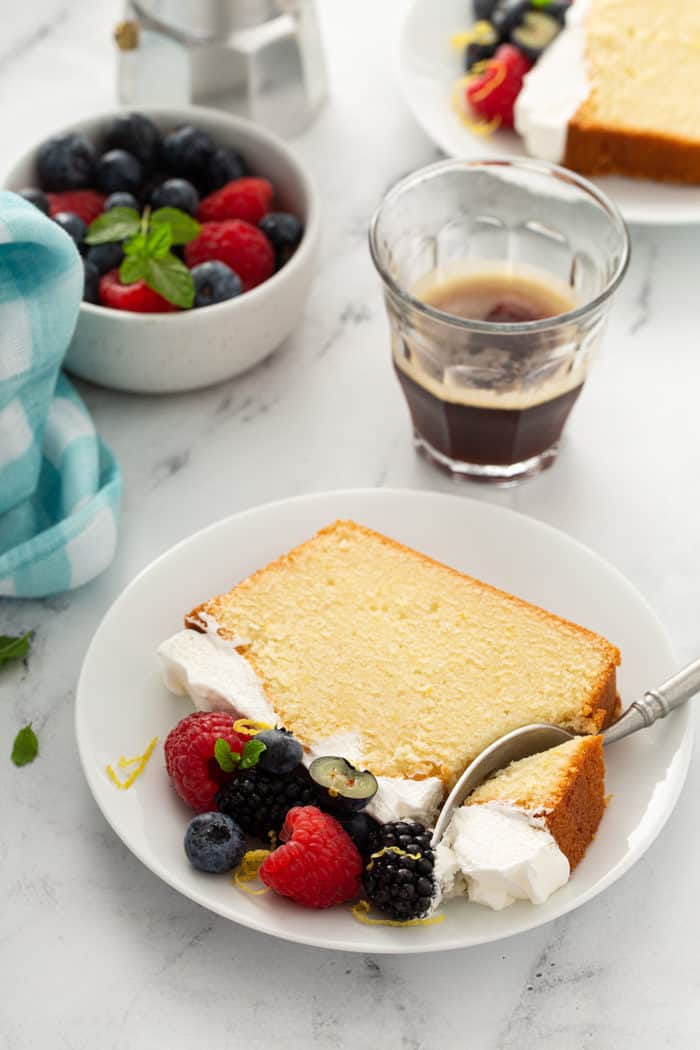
94, 950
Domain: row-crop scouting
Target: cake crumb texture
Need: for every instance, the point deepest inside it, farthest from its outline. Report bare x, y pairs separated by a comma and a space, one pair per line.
642, 115
351, 631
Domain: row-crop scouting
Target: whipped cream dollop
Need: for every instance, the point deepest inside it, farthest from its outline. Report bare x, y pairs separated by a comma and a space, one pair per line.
216, 677
497, 853
554, 89
210, 670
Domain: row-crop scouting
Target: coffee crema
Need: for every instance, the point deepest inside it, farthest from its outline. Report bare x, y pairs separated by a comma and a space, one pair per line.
489, 398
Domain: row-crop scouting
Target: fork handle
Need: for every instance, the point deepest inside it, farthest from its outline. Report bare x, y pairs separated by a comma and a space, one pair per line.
657, 703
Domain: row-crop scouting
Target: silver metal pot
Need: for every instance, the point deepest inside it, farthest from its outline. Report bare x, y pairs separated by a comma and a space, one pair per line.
261, 59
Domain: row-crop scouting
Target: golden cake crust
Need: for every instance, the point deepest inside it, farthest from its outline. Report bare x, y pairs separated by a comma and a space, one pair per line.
596, 710
642, 114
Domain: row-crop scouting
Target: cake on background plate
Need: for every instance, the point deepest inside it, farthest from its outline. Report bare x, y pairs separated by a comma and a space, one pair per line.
617, 91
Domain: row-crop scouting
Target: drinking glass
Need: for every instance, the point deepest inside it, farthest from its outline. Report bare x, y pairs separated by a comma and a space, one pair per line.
489, 400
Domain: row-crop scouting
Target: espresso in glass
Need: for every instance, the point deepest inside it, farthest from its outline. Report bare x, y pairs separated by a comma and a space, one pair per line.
503, 401
497, 277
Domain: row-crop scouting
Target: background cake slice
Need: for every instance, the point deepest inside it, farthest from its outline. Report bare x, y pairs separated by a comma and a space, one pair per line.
565, 787
617, 91
354, 636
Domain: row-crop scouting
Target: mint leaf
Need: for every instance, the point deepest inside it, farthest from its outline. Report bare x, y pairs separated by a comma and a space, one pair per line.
14, 648
26, 746
183, 227
170, 278
228, 760
114, 225
158, 242
136, 245
133, 268
251, 753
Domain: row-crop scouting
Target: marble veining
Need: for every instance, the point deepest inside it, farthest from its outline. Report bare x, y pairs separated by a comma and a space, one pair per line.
94, 950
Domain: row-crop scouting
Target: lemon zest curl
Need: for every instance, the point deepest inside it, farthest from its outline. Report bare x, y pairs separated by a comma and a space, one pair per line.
247, 871
361, 910
139, 763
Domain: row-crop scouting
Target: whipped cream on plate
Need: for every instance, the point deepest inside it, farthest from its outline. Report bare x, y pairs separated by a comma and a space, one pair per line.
554, 89
496, 853
210, 670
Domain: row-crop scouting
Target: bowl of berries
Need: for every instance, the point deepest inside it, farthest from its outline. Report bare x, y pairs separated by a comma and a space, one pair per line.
198, 232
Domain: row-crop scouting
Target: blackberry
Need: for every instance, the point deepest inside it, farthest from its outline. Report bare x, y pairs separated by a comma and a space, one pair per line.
402, 885
259, 801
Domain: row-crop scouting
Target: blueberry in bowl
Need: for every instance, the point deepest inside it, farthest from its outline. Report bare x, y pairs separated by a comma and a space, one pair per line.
137, 181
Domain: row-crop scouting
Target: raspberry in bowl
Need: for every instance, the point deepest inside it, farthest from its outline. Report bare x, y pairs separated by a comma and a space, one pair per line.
199, 233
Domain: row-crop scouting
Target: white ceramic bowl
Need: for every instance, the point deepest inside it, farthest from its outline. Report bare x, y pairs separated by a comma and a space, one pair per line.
163, 353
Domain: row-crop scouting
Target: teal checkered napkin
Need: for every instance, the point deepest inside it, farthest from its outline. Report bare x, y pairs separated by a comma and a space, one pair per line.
59, 484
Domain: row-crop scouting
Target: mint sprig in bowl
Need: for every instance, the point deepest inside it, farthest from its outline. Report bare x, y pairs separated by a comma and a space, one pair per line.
190, 348
148, 239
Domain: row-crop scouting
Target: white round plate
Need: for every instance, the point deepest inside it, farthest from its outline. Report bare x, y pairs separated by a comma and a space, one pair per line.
122, 703
428, 69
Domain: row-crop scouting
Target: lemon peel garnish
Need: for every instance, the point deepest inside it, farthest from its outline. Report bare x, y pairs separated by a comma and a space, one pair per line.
480, 33
392, 849
361, 910
139, 762
247, 727
247, 871
272, 835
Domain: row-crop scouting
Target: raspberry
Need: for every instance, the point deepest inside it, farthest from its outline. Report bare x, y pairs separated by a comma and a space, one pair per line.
137, 297
86, 204
319, 865
189, 756
238, 244
247, 198
492, 94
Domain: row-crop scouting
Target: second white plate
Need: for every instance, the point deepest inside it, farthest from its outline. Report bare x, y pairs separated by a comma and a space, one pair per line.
122, 702
428, 69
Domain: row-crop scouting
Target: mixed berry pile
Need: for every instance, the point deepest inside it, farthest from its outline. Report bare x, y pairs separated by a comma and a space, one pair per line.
164, 221
506, 40
250, 788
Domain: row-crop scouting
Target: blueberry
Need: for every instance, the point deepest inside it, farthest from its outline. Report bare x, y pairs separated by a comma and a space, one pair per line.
176, 193
483, 9
73, 225
66, 163
136, 134
214, 282
507, 14
535, 33
118, 170
187, 151
482, 47
361, 828
121, 200
225, 166
105, 256
91, 285
282, 752
37, 198
214, 843
342, 787
283, 231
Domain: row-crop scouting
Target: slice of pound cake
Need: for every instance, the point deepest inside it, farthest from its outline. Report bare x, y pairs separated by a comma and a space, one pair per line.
364, 648
617, 92
523, 831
